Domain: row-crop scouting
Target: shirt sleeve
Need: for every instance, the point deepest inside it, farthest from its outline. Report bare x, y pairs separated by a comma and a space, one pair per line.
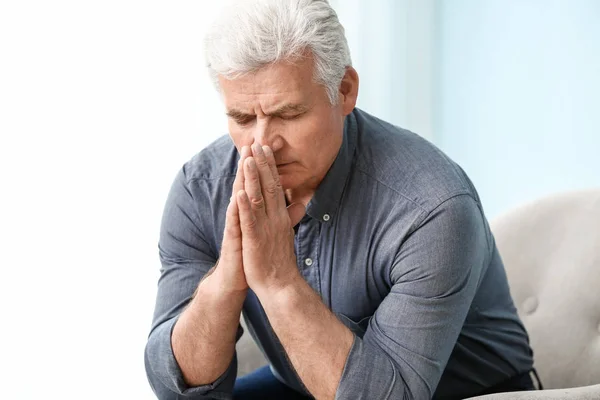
409, 339
185, 257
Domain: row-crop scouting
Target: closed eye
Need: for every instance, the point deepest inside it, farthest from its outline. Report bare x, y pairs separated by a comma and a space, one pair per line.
290, 117
244, 120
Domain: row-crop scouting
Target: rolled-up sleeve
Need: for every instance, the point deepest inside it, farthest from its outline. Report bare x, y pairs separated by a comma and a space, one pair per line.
185, 257
409, 339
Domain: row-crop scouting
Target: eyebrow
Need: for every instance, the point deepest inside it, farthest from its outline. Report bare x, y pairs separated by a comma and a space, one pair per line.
285, 109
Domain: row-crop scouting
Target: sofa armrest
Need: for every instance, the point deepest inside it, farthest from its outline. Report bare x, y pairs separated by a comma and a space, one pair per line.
577, 393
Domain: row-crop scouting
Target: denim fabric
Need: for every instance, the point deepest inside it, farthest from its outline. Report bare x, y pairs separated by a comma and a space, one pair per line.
401, 252
261, 384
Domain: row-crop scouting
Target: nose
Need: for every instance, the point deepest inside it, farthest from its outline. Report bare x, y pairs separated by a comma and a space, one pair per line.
266, 135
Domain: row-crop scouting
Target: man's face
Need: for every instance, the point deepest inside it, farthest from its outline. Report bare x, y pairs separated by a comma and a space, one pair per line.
280, 106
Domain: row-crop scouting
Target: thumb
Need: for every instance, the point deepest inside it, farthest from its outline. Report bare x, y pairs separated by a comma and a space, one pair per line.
296, 212
232, 235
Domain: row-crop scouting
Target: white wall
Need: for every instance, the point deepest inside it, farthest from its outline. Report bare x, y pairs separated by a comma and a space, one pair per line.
100, 105
518, 95
391, 42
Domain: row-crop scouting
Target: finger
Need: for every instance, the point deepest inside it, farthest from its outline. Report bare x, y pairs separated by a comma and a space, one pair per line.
232, 232
296, 211
238, 183
273, 166
233, 219
252, 186
268, 185
248, 222
231, 260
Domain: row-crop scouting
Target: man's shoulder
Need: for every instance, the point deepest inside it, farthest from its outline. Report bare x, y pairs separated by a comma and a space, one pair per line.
216, 161
408, 164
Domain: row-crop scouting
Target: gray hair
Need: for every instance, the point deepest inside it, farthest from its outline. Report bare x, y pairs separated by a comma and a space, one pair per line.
251, 34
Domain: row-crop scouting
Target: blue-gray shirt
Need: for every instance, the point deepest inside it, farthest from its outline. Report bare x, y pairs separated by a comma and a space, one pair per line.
396, 244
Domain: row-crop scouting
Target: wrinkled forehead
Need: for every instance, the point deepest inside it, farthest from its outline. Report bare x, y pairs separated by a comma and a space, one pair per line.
273, 86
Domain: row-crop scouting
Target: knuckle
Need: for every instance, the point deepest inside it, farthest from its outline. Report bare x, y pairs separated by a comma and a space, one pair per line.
258, 202
272, 190
253, 180
276, 177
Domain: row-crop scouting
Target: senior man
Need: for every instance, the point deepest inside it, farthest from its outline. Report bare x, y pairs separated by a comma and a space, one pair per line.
357, 252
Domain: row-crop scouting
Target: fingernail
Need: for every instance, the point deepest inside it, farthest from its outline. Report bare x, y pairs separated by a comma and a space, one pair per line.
257, 149
267, 151
251, 163
245, 151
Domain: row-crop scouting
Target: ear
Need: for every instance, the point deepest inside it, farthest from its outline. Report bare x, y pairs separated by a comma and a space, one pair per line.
349, 90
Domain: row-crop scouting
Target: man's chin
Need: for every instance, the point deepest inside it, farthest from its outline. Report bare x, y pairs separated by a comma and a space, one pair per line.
286, 181
289, 181
291, 177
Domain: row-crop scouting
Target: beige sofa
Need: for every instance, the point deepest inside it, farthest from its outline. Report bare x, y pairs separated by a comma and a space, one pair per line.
551, 250
248, 353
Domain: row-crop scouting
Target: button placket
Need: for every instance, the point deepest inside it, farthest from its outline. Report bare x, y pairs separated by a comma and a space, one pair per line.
307, 252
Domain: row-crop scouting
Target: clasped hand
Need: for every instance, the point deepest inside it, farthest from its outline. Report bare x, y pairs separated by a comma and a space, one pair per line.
258, 242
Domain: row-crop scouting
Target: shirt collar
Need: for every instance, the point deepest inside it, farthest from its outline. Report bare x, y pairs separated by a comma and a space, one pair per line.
325, 202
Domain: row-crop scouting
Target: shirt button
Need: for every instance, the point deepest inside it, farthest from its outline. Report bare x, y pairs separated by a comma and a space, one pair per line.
308, 261
326, 217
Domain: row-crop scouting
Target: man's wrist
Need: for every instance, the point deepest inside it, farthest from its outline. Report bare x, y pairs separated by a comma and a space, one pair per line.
283, 294
219, 290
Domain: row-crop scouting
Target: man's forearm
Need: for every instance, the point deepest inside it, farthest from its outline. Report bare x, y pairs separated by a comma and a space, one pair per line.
204, 337
316, 342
